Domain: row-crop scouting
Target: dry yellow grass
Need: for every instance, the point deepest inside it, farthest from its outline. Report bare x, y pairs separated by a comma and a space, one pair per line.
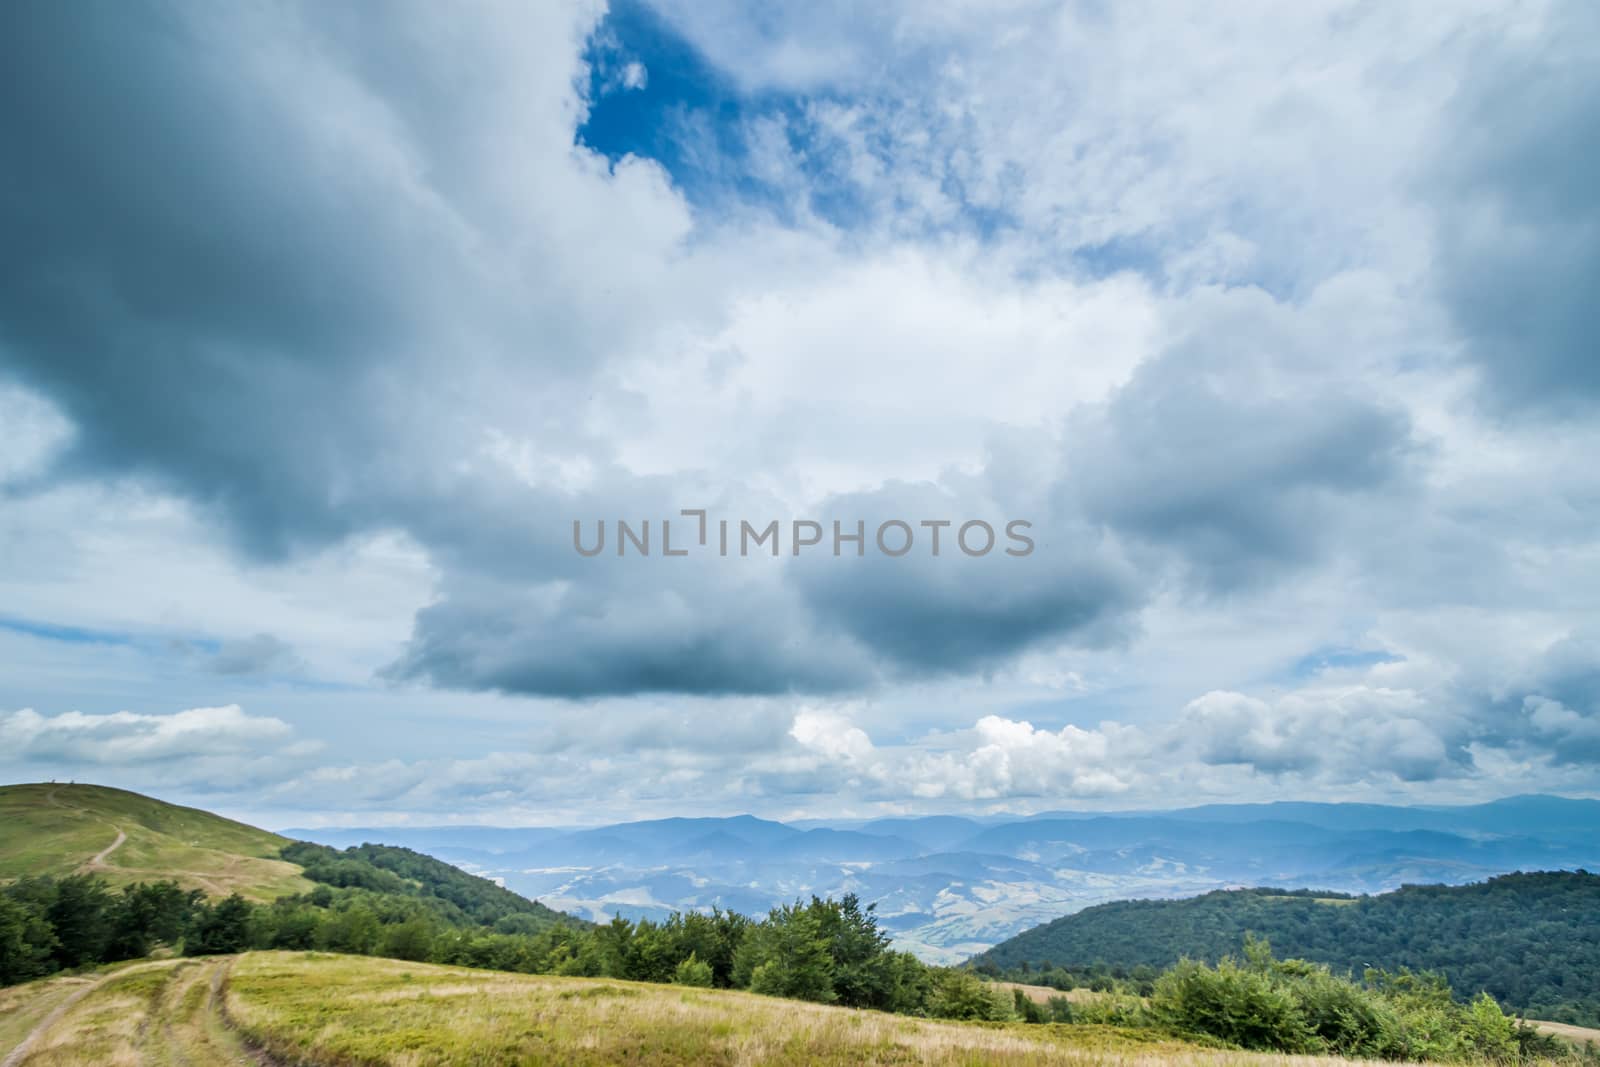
1043, 994
1579, 1034
23, 1007
163, 1014
316, 1009
324, 1009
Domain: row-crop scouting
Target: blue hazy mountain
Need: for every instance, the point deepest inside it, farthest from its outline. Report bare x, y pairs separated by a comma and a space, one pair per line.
949, 886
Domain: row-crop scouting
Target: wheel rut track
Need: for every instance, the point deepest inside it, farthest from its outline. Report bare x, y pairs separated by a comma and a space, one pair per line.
204, 1036
217, 1005
24, 1047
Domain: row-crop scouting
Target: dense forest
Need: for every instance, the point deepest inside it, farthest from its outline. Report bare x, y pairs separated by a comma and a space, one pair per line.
1532, 941
448, 894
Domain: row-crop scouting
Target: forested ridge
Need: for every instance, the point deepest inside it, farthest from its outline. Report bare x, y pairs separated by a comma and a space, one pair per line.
1532, 941
452, 895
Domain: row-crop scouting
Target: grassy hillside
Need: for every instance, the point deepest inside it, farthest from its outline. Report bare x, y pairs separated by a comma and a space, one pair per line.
91, 875
1523, 938
279, 1007
57, 830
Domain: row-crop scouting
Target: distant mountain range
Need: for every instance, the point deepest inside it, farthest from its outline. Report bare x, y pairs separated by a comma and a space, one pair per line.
947, 886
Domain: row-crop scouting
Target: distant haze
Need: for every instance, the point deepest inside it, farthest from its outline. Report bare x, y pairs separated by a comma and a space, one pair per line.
948, 887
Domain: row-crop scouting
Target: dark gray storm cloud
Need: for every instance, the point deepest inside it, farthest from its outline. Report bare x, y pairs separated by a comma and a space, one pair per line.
1569, 671
599, 639
764, 624
1519, 216
201, 285
1219, 452
1559, 698
922, 614
246, 254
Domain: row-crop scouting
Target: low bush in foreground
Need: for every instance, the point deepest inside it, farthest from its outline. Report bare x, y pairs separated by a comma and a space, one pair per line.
1293, 1006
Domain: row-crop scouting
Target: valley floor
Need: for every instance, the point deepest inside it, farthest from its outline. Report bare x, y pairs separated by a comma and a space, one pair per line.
276, 1008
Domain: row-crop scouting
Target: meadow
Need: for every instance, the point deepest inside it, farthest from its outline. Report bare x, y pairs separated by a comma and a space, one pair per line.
273, 1008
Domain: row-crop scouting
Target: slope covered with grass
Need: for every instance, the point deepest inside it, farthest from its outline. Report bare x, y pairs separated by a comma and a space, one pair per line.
49, 829
91, 875
319, 1009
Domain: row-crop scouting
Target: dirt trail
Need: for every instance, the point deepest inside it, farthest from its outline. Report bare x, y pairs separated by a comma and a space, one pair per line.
23, 1047
207, 1035
100, 857
206, 880
185, 1024
98, 861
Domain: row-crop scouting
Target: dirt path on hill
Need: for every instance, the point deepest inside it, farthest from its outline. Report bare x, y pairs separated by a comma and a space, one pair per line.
99, 860
206, 880
183, 1024
20, 1051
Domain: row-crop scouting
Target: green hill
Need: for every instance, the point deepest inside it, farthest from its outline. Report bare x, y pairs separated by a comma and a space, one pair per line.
56, 830
1523, 938
91, 875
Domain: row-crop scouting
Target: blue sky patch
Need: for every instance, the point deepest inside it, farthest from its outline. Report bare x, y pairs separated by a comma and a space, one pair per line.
652, 94
72, 635
1333, 658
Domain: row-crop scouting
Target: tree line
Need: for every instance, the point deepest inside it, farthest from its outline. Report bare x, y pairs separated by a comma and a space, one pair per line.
827, 951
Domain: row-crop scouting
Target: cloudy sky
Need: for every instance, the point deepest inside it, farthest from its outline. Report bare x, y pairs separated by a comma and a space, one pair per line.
321, 324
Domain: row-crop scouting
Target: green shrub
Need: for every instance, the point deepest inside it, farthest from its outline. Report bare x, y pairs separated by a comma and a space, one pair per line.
1025, 1008
1487, 1033
1243, 1006
963, 995
1061, 1010
692, 970
410, 940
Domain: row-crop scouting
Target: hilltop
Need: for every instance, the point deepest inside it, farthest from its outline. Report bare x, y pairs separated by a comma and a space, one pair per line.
122, 837
90, 875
